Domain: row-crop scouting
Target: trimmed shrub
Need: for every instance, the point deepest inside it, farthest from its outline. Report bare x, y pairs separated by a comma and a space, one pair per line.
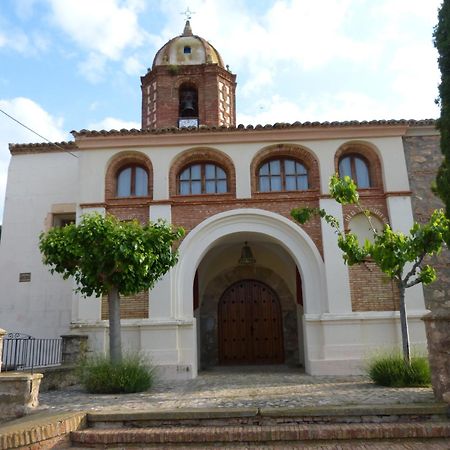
99, 375
392, 370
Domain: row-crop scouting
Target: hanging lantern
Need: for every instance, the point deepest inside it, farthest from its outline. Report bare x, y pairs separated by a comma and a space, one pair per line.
246, 258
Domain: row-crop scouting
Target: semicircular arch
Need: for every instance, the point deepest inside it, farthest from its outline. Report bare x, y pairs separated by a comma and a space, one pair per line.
369, 152
294, 151
292, 238
202, 155
121, 160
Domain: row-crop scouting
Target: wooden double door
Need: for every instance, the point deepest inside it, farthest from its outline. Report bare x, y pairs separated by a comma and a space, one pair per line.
250, 325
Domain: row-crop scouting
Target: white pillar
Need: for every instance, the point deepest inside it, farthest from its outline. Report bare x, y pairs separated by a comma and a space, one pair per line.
243, 176
401, 219
336, 272
160, 298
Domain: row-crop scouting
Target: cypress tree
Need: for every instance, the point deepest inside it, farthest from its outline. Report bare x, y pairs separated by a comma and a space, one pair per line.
442, 44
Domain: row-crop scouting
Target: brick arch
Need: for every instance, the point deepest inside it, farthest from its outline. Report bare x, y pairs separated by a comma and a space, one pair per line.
202, 155
185, 80
297, 152
209, 303
368, 153
123, 159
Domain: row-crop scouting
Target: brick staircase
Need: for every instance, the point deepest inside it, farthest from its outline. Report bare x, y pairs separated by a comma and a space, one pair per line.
413, 426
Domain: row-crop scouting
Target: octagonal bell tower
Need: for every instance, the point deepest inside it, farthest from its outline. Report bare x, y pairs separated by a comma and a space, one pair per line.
188, 85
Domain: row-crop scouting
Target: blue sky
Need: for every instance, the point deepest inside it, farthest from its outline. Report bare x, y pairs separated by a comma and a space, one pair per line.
74, 64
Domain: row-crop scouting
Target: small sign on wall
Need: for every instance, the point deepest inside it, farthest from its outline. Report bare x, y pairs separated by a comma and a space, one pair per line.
24, 277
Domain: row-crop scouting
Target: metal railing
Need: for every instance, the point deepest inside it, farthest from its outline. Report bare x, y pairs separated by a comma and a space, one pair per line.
24, 352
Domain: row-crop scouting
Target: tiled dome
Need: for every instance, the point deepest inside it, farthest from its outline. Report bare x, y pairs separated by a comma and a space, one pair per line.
187, 49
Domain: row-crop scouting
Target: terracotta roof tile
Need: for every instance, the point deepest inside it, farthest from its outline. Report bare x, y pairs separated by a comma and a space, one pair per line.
29, 148
278, 125
39, 147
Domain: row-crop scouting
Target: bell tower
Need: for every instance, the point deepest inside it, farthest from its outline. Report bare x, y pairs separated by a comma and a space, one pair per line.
188, 85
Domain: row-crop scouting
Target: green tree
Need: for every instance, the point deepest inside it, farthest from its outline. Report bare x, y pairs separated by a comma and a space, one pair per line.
109, 257
400, 256
442, 44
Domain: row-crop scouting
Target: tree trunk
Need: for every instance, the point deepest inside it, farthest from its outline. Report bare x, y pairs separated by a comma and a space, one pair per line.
115, 340
404, 325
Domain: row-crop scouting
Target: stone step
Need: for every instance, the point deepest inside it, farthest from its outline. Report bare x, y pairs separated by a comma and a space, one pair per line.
270, 416
253, 434
385, 444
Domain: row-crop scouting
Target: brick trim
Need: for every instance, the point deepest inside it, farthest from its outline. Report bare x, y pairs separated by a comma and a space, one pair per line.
368, 153
297, 152
202, 155
124, 159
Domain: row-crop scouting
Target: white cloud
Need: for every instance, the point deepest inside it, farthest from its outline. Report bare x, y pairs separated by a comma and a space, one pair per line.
339, 106
15, 40
24, 8
102, 26
34, 116
275, 109
25, 41
133, 66
415, 79
111, 123
93, 67
314, 38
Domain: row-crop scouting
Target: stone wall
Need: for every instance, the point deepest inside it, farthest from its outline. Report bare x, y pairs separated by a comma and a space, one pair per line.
423, 157
19, 393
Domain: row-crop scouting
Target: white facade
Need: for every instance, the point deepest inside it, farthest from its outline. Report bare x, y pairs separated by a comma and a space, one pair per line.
332, 339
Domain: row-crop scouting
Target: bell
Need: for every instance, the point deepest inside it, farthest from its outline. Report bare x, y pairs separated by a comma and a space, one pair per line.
187, 104
246, 258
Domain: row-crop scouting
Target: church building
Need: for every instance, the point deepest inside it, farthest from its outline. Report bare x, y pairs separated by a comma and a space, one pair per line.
251, 286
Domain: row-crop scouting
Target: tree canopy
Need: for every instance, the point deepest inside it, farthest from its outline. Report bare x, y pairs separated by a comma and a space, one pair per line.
107, 256
442, 44
400, 256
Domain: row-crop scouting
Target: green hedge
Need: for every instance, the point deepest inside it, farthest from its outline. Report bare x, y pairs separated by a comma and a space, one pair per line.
99, 375
392, 370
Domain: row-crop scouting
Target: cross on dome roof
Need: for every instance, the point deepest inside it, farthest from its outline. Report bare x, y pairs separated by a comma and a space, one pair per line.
188, 13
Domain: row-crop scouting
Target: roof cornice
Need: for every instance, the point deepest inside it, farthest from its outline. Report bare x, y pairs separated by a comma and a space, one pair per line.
278, 132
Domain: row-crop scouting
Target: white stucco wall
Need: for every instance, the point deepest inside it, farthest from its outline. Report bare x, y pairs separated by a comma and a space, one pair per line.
46, 305
41, 307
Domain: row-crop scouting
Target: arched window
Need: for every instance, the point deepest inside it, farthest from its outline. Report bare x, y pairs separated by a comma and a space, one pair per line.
357, 168
282, 175
132, 181
202, 178
188, 101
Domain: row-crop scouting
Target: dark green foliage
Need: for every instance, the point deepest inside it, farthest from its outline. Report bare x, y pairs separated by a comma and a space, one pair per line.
344, 190
107, 256
103, 252
99, 375
399, 256
442, 44
392, 370
302, 215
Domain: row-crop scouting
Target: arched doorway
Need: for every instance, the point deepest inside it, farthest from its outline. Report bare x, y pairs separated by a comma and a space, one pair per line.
250, 325
233, 227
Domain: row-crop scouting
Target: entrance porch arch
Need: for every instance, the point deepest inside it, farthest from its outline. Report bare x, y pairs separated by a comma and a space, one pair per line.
292, 238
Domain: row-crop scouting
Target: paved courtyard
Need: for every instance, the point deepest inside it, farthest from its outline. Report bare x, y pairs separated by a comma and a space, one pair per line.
267, 386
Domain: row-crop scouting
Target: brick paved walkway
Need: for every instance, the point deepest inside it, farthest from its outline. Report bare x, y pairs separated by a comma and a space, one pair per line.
244, 387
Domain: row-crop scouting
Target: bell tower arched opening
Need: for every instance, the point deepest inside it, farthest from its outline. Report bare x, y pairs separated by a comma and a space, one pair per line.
188, 101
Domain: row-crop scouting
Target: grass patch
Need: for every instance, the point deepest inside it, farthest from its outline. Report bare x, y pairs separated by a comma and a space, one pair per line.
99, 375
391, 370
